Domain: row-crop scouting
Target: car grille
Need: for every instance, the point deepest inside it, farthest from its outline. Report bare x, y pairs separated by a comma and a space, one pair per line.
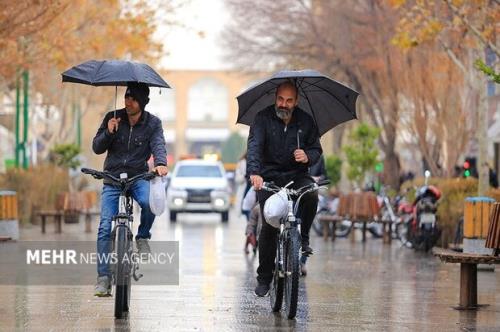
198, 196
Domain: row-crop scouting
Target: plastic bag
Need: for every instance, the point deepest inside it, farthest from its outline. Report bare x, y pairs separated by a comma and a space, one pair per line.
276, 208
249, 200
157, 195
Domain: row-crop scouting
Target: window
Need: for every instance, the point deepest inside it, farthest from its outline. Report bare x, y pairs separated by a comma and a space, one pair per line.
207, 101
162, 104
192, 171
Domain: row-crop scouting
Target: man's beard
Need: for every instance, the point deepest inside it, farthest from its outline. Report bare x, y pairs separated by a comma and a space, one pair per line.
283, 113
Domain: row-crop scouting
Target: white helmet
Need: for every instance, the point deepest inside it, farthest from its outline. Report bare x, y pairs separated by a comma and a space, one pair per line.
276, 208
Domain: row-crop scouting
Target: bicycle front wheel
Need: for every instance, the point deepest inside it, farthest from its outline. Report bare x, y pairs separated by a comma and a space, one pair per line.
292, 272
122, 276
276, 291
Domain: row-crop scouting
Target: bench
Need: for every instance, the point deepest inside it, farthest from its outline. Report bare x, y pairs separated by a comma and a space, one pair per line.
386, 230
326, 220
468, 262
468, 274
57, 215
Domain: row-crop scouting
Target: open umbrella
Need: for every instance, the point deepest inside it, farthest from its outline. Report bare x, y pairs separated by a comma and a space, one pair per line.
113, 72
329, 102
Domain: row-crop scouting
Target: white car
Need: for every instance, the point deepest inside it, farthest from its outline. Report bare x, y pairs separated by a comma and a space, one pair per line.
198, 186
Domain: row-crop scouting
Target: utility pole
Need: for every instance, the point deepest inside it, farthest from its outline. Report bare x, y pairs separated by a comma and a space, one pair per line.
18, 120
25, 114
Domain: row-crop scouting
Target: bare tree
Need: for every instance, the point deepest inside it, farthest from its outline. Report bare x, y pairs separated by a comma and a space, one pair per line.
348, 40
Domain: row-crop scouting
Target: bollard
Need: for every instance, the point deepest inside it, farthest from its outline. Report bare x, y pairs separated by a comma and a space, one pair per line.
9, 222
476, 223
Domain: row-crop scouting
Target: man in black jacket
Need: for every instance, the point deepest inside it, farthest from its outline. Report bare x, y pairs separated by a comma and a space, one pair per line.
130, 136
282, 145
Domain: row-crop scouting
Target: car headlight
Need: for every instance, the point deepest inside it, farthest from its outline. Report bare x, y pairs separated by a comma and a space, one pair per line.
178, 201
219, 202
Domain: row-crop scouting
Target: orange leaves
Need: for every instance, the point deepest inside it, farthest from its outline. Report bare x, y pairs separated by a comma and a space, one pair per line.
61, 33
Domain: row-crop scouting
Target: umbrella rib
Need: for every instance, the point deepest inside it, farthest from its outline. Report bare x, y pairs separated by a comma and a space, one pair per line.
310, 106
334, 96
97, 70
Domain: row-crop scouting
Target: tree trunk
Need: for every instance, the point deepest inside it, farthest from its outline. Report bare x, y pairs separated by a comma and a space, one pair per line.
391, 169
391, 162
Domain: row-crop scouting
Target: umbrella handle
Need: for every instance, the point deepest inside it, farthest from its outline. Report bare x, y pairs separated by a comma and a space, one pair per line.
298, 138
116, 93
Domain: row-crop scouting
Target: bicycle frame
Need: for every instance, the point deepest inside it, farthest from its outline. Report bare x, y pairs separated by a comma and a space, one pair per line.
122, 238
286, 272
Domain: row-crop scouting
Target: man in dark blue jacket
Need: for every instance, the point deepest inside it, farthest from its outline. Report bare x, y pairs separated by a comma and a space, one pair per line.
130, 136
282, 145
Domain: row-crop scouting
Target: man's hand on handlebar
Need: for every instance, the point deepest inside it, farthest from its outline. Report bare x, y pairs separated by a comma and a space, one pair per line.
161, 170
256, 181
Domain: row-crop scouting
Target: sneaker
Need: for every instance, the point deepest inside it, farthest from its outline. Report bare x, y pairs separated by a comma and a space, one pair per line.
306, 250
262, 290
142, 246
103, 286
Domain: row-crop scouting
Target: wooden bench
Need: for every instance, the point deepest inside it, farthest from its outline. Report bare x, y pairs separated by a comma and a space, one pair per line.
386, 230
468, 262
468, 274
326, 220
57, 215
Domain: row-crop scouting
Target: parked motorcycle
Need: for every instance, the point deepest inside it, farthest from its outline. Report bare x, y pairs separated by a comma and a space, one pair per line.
421, 229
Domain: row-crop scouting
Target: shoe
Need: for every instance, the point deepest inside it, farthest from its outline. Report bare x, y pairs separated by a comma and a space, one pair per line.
142, 246
103, 286
306, 250
303, 270
262, 290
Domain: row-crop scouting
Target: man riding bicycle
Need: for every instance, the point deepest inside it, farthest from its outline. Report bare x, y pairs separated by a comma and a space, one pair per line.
283, 143
129, 135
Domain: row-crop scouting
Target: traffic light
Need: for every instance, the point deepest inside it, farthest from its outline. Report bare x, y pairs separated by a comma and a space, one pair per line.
469, 167
466, 169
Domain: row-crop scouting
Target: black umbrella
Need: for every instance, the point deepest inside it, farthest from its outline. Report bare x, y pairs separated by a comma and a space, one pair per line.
329, 102
114, 73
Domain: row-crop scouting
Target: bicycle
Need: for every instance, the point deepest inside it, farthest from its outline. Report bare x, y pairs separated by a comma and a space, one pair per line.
286, 274
122, 238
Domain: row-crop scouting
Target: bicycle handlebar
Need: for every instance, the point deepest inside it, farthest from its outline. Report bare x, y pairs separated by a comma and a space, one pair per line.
106, 175
270, 186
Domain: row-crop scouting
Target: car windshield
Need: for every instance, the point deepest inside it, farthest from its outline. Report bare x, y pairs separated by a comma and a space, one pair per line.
199, 171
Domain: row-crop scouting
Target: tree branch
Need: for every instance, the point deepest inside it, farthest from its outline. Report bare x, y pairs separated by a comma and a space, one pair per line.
474, 30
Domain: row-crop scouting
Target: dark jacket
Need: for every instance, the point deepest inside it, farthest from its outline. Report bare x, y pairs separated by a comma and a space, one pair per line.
271, 145
130, 147
319, 169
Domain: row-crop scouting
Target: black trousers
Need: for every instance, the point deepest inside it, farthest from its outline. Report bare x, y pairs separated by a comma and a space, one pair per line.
269, 235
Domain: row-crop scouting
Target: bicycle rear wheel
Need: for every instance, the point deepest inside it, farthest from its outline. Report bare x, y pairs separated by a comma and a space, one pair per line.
122, 277
276, 291
292, 272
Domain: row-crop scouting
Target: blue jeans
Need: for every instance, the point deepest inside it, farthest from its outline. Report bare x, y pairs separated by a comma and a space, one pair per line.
109, 208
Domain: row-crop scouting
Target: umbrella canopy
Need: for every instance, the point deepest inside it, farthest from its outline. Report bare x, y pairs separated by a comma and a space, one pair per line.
113, 73
329, 102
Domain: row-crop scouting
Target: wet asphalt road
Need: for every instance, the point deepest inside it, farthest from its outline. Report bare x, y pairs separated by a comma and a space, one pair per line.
350, 287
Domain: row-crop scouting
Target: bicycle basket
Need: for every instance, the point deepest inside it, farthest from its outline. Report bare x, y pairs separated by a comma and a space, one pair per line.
276, 208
